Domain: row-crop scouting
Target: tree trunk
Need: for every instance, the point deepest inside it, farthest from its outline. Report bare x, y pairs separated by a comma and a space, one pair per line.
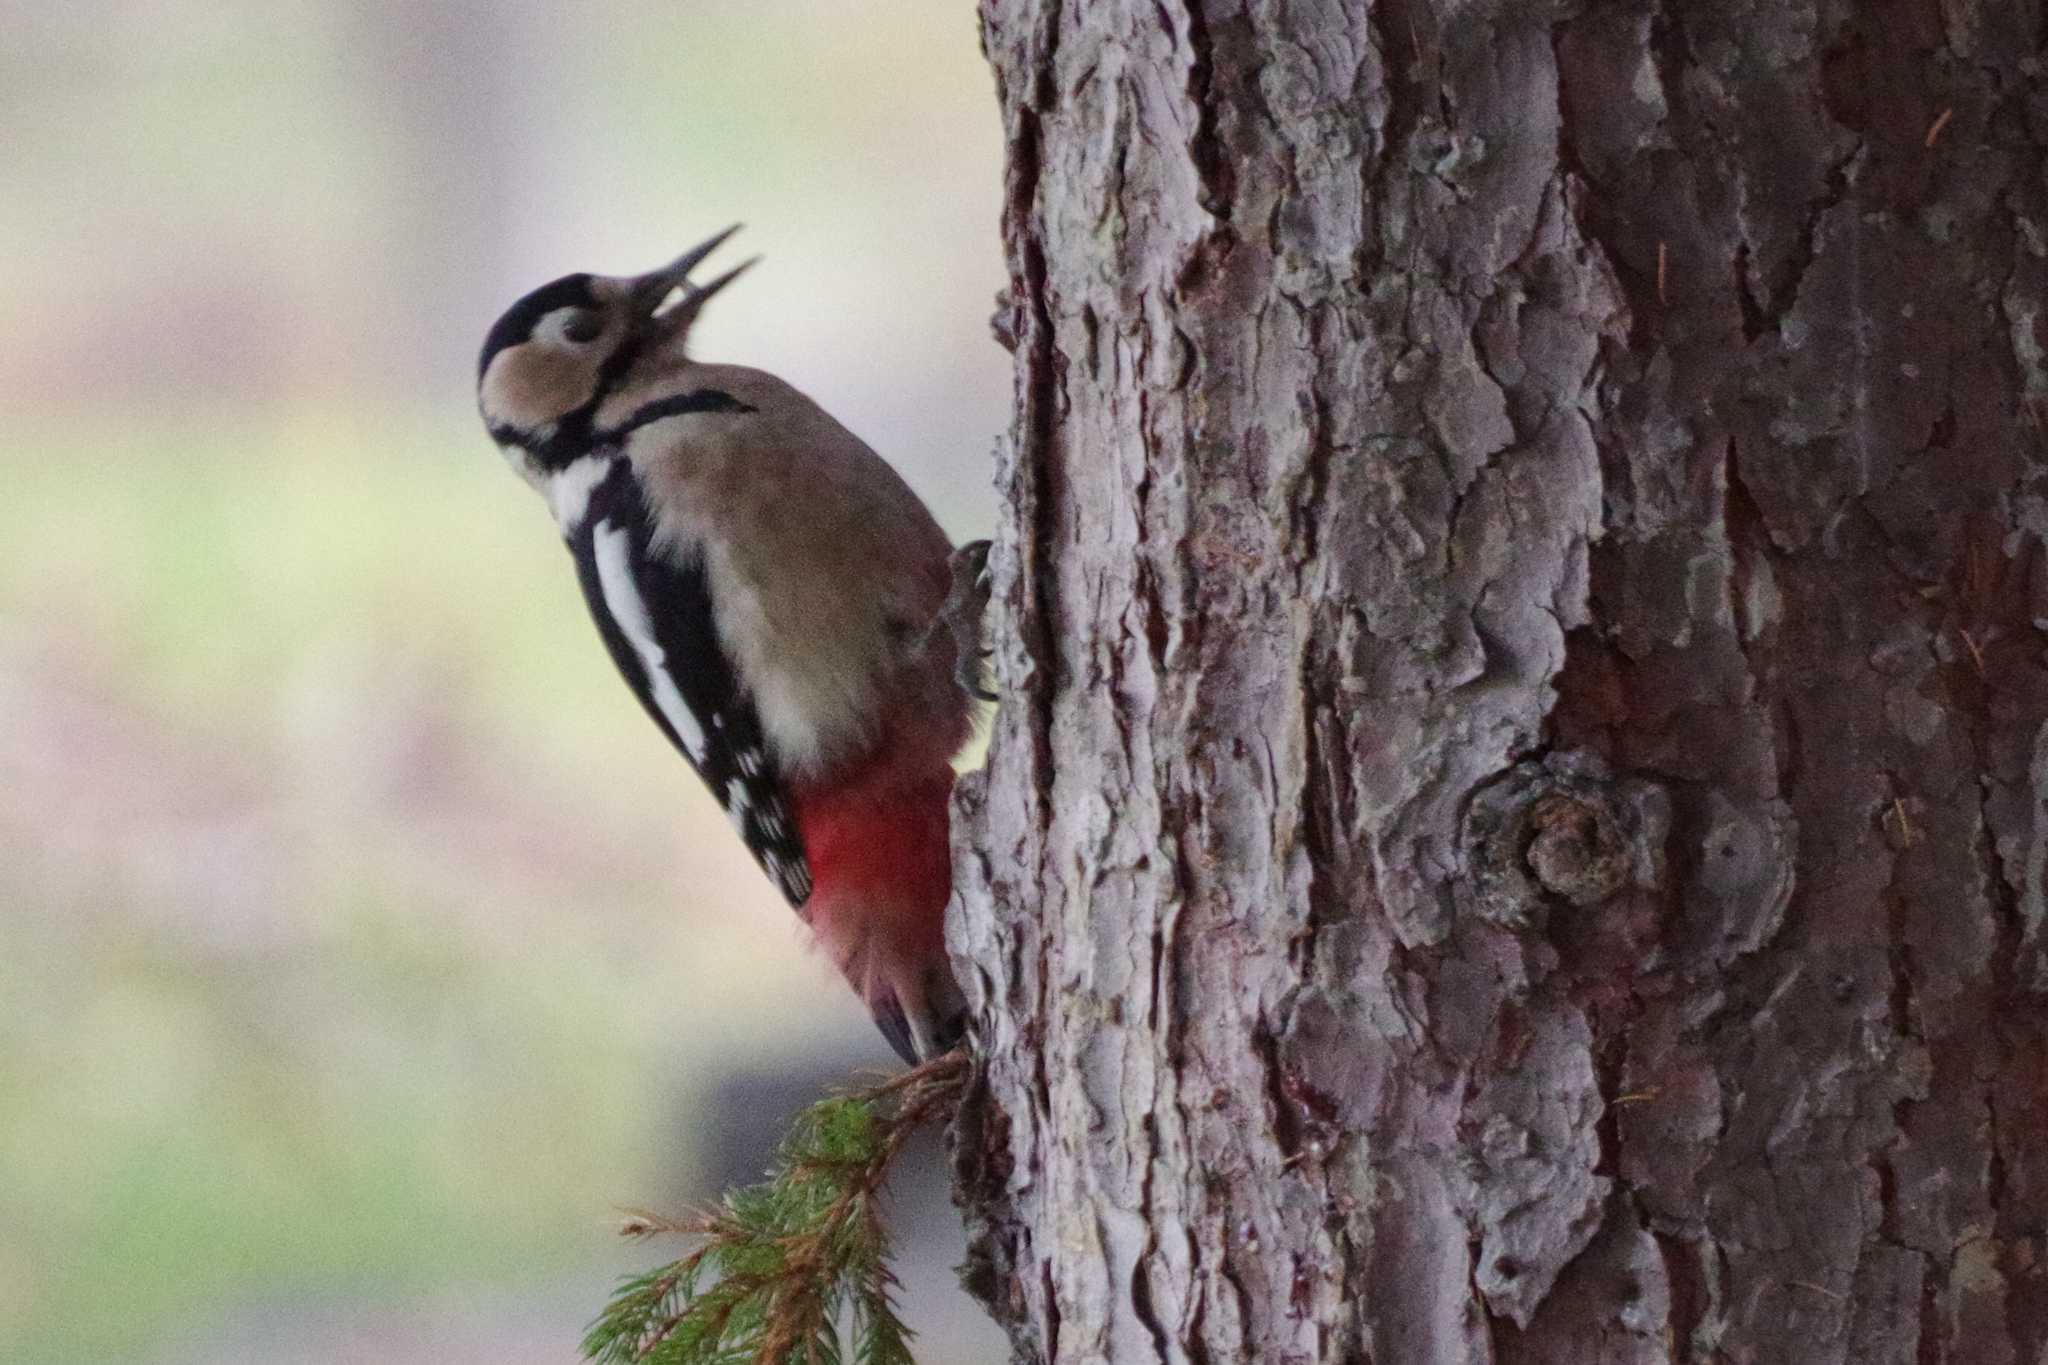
1516, 827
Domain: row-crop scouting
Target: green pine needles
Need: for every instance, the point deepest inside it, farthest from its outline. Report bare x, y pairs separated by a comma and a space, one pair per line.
795, 1270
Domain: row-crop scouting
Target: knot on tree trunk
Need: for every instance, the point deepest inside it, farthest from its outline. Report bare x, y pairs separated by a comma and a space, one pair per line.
1563, 830
1576, 850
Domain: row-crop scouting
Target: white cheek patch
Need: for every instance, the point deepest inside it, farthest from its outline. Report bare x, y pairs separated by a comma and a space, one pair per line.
513, 398
568, 490
614, 553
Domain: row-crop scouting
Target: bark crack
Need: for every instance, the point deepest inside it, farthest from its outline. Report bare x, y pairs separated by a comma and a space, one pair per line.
1211, 159
1036, 458
1768, 314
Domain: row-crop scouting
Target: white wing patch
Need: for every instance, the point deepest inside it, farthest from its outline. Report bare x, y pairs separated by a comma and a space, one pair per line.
613, 547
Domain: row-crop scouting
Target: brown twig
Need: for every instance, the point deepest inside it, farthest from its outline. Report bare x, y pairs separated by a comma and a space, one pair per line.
1941, 122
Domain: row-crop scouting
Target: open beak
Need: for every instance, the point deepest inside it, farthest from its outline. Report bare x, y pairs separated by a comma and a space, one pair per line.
652, 290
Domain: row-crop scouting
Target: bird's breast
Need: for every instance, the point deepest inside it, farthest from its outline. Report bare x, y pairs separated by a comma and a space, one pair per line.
813, 663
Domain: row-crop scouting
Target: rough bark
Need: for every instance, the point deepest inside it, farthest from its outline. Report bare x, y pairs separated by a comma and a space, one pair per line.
1516, 829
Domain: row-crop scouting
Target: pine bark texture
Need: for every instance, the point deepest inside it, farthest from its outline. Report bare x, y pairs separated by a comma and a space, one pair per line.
1516, 827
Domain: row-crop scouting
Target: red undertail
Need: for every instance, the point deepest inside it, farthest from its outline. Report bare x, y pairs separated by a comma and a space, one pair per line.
881, 872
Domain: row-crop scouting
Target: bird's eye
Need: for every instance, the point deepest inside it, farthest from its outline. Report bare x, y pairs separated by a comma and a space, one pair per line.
582, 327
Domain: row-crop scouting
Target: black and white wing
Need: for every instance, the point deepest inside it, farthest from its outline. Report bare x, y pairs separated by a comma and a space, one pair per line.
656, 619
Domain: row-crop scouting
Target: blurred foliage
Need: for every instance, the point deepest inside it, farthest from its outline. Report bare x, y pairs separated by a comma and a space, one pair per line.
374, 1084
373, 1121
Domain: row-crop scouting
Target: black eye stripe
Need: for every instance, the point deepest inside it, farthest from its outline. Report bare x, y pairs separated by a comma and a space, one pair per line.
571, 291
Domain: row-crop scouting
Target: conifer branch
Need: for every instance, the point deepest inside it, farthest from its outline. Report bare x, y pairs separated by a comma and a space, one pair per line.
784, 1264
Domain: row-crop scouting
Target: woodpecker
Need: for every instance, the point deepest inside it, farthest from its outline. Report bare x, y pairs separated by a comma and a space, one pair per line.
770, 588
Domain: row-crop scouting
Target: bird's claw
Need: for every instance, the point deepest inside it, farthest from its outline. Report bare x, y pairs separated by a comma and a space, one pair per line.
966, 604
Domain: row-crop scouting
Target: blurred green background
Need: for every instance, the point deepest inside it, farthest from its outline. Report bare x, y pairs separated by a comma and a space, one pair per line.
363, 947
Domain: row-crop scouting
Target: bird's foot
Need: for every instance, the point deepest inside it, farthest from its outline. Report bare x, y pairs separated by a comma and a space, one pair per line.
961, 616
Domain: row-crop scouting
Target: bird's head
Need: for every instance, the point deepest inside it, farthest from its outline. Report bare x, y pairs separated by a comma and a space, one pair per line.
552, 358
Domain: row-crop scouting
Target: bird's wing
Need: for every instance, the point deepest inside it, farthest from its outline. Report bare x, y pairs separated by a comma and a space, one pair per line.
655, 615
